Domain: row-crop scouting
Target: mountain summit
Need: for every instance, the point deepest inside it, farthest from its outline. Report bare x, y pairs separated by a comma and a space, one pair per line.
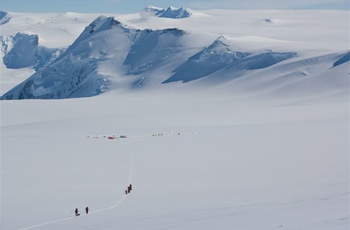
170, 12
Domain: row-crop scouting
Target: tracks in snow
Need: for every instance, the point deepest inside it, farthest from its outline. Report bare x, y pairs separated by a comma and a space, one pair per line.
122, 198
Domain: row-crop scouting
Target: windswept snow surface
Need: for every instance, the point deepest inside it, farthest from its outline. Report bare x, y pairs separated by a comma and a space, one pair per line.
257, 137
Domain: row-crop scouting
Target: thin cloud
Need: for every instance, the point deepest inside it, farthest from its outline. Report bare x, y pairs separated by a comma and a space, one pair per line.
270, 4
111, 1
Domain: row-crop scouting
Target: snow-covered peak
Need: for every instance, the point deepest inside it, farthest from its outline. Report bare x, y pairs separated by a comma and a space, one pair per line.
172, 8
101, 23
221, 43
170, 12
173, 12
221, 47
4, 17
153, 9
2, 14
211, 59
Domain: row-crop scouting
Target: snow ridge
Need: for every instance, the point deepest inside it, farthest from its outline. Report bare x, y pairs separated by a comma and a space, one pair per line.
170, 12
344, 59
154, 10
219, 56
99, 24
173, 12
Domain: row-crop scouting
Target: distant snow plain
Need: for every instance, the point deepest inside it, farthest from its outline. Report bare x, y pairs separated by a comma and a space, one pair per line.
199, 157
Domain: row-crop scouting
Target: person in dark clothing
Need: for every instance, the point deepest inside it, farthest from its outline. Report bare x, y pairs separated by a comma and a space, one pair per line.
76, 212
87, 210
129, 188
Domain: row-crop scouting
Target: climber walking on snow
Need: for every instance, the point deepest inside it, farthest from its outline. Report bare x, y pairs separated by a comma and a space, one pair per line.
129, 188
76, 212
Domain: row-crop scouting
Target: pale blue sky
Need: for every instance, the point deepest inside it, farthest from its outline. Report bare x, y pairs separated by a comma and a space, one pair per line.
130, 6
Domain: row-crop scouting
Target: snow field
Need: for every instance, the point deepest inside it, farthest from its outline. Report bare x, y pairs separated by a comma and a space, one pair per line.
246, 165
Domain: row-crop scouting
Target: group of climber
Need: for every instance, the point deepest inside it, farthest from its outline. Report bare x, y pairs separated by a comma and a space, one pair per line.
128, 190
77, 212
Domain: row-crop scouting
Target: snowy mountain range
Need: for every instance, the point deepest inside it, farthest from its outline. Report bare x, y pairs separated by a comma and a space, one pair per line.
113, 54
